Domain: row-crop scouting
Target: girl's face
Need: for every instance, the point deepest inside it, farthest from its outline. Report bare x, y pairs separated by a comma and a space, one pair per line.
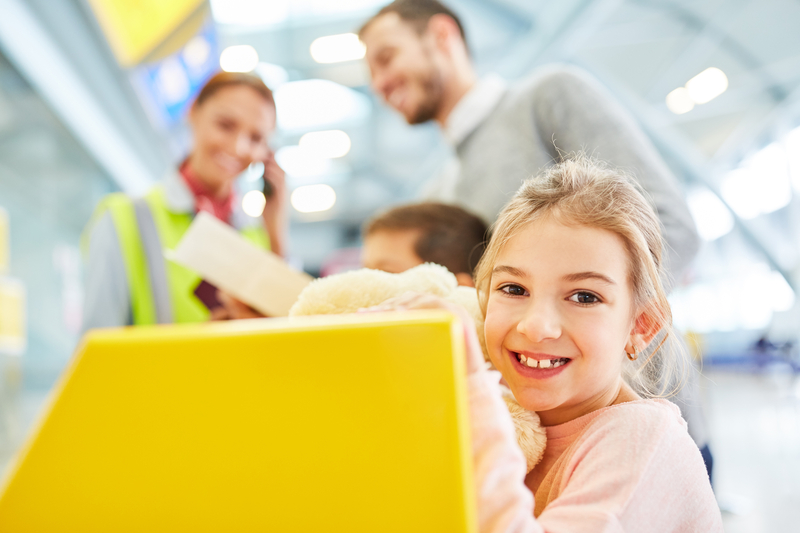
560, 300
231, 129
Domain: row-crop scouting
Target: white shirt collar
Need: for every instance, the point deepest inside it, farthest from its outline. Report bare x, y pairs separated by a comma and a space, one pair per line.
474, 107
179, 199
177, 194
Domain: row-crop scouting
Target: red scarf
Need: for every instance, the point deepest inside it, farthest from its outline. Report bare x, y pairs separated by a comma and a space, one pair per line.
203, 200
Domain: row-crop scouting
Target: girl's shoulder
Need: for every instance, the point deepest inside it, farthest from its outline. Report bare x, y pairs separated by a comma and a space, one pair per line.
638, 415
646, 435
639, 418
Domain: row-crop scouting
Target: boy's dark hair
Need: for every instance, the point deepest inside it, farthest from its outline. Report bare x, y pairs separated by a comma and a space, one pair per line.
417, 13
448, 235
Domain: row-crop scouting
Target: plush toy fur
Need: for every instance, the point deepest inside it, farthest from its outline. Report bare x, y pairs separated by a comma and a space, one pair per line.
350, 291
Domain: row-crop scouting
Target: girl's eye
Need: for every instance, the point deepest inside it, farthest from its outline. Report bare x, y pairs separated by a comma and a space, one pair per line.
513, 290
584, 298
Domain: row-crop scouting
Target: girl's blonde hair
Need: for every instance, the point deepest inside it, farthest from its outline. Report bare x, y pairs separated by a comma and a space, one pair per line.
581, 191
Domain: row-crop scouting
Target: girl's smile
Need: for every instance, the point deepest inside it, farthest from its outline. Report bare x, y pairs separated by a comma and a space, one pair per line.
560, 315
538, 365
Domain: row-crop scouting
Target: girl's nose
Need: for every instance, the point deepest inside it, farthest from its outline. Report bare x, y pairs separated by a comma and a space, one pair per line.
540, 322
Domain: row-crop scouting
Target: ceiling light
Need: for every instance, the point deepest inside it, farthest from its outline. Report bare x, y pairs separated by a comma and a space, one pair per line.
299, 163
241, 58
337, 48
679, 102
328, 144
253, 203
318, 104
171, 81
196, 52
712, 218
707, 85
313, 198
761, 185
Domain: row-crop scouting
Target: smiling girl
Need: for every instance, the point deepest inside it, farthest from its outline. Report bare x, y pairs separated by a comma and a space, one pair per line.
570, 286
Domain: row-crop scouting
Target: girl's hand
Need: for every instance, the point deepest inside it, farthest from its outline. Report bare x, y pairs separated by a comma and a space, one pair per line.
275, 214
415, 300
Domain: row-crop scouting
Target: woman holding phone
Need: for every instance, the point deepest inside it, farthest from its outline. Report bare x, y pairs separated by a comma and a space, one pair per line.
130, 282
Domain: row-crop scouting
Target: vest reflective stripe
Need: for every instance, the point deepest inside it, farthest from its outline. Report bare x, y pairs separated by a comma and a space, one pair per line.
161, 291
133, 256
156, 266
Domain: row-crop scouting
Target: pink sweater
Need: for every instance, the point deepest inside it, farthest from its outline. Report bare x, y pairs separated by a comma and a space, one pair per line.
629, 467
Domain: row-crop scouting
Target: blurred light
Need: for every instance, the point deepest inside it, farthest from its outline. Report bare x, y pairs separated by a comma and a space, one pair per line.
746, 300
250, 12
254, 171
780, 293
761, 185
713, 219
318, 104
707, 85
337, 48
273, 75
792, 143
313, 198
253, 203
241, 58
196, 52
736, 188
328, 144
679, 102
172, 82
299, 163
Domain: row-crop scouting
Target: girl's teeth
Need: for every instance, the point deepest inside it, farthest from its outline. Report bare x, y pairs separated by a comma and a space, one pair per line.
544, 363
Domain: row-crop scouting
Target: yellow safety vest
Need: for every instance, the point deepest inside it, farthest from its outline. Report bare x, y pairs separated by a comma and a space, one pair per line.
161, 291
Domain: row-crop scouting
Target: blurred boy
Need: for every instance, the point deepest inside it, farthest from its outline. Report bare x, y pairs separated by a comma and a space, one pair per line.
429, 232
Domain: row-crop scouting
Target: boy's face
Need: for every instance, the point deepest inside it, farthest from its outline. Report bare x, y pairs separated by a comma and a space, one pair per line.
391, 250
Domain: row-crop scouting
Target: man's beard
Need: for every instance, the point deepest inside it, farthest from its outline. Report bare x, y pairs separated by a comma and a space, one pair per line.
433, 89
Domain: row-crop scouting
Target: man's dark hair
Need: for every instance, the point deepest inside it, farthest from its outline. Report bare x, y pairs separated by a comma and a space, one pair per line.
417, 13
448, 235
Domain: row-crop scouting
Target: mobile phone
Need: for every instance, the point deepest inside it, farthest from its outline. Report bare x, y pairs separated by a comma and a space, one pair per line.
207, 293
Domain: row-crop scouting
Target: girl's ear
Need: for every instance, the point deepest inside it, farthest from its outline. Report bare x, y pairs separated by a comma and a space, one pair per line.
645, 328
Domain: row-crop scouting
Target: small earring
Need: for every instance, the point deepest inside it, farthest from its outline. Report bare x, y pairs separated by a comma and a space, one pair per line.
635, 355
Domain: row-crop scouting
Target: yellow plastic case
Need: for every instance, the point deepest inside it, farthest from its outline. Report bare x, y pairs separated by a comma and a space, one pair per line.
338, 423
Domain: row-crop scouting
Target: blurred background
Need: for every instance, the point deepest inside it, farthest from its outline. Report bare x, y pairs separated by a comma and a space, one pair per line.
93, 96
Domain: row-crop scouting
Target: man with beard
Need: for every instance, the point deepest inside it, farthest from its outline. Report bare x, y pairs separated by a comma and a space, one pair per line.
420, 65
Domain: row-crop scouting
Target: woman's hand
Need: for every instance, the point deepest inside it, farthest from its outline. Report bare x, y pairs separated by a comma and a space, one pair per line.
232, 309
415, 300
275, 213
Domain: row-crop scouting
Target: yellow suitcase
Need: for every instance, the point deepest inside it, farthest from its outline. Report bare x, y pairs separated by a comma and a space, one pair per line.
337, 423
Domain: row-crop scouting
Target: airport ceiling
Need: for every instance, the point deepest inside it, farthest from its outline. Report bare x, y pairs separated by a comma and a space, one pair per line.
641, 49
738, 146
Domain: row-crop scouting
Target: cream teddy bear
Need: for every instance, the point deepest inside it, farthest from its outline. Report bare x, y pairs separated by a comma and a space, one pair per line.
350, 291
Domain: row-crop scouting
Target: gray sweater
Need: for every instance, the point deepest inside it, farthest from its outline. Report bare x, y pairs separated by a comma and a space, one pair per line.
564, 109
